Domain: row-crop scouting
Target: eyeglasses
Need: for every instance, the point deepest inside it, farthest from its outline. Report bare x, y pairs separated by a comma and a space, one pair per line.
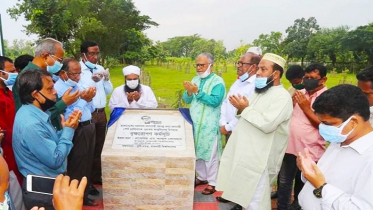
58, 59
93, 54
74, 74
197, 65
240, 64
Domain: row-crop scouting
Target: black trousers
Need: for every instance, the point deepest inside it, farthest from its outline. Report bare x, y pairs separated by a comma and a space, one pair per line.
100, 123
80, 159
31, 199
288, 172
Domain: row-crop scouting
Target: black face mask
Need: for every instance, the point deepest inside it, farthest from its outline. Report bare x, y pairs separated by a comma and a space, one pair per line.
47, 104
311, 84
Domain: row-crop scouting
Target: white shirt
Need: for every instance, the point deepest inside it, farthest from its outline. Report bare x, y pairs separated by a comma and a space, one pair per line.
371, 115
119, 99
228, 111
103, 88
348, 171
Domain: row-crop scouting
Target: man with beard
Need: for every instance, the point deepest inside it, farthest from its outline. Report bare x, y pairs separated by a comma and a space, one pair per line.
251, 161
133, 94
304, 133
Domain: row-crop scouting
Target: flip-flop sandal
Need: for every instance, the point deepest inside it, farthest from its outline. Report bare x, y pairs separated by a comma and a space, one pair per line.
209, 190
199, 182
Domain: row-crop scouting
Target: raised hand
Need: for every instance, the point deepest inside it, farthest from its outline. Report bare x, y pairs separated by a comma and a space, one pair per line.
191, 88
309, 169
73, 120
69, 98
239, 102
88, 94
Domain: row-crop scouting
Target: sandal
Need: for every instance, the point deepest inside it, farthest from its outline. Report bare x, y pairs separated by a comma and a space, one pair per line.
209, 190
199, 182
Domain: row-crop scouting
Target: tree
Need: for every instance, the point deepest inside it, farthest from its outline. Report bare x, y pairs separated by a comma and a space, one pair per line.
270, 42
18, 47
326, 43
180, 46
298, 36
360, 41
111, 23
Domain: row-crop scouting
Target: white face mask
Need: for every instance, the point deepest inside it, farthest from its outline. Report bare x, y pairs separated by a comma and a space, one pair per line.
132, 83
206, 73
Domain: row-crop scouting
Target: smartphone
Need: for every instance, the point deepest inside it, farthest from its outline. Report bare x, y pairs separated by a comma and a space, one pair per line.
40, 184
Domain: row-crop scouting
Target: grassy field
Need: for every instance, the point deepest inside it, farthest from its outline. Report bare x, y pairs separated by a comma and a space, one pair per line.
167, 82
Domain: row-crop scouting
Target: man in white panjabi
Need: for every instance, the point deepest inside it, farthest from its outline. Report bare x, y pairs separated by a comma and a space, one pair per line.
244, 85
252, 159
132, 94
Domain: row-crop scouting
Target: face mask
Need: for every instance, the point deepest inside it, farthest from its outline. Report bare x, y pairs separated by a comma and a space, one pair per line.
11, 78
47, 104
311, 84
334, 134
55, 68
5, 204
206, 73
132, 83
261, 82
298, 86
88, 63
70, 82
245, 76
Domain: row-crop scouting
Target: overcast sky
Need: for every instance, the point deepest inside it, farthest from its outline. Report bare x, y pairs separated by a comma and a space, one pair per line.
227, 20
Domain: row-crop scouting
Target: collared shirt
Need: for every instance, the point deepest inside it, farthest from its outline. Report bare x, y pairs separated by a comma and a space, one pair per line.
85, 107
55, 111
37, 146
302, 133
147, 99
103, 88
228, 111
348, 171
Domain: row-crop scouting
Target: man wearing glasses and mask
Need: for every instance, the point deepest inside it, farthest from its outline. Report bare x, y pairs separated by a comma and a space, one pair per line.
94, 75
205, 93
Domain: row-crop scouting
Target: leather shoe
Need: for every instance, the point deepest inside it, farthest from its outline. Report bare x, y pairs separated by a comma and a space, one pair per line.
93, 191
222, 200
89, 202
236, 207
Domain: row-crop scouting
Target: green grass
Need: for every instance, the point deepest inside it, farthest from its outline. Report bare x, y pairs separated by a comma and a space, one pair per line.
167, 82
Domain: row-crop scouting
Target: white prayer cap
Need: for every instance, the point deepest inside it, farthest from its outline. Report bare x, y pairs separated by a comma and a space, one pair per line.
255, 50
275, 59
131, 70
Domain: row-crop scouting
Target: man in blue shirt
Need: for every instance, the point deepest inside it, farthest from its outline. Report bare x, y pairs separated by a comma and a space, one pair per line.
80, 158
39, 149
96, 75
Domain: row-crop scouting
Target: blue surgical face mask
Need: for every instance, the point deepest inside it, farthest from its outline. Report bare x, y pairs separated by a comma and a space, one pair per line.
55, 68
88, 63
334, 134
11, 78
261, 82
245, 76
70, 82
206, 73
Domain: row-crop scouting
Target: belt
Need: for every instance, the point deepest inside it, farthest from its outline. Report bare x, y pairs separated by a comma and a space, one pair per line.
88, 122
98, 110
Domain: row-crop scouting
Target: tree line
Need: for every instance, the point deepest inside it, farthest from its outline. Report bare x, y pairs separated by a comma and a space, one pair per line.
119, 28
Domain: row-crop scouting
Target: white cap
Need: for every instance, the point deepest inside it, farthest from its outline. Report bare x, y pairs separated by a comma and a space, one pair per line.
275, 59
131, 70
255, 50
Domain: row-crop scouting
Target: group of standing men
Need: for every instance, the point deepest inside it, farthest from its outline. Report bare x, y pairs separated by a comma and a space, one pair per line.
54, 122
274, 133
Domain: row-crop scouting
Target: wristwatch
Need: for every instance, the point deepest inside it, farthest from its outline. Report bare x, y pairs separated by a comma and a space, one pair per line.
317, 191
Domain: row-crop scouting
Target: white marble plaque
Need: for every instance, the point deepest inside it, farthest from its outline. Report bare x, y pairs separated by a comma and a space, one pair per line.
137, 131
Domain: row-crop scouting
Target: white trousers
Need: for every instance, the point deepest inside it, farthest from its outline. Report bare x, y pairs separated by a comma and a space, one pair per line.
208, 170
255, 201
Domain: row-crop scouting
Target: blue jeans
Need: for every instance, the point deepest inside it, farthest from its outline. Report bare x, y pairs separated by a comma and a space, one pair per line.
288, 172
